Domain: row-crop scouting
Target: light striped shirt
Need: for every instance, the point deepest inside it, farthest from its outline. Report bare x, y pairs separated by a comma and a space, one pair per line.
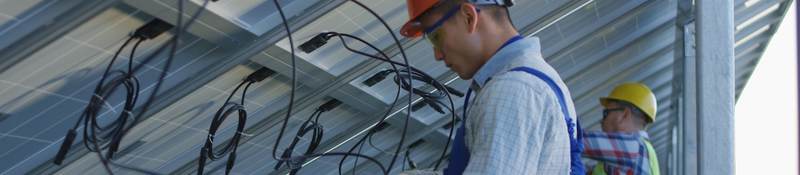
515, 124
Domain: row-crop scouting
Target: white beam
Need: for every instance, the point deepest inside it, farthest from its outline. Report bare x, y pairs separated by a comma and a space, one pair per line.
715, 86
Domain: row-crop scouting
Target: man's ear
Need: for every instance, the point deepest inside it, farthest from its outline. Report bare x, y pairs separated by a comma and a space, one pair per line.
470, 13
627, 115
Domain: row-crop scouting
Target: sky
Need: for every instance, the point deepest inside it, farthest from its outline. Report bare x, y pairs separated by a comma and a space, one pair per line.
765, 122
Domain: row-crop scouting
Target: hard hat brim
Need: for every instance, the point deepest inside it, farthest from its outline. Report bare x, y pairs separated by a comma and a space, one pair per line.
412, 29
416, 8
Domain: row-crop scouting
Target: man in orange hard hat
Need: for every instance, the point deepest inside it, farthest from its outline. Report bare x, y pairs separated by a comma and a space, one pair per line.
522, 119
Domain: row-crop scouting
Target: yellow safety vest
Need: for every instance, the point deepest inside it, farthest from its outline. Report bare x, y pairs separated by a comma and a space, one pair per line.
600, 169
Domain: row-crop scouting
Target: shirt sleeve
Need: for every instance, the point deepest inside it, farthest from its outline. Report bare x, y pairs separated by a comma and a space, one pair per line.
506, 129
620, 149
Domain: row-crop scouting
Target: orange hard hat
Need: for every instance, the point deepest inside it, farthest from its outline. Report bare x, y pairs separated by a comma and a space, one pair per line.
413, 28
416, 8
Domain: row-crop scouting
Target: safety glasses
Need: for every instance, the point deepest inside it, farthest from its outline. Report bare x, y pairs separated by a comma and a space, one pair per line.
607, 111
433, 34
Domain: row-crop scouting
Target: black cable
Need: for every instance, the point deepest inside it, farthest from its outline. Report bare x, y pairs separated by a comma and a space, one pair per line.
383, 119
295, 160
294, 83
355, 163
384, 58
408, 68
173, 42
179, 29
96, 137
349, 153
320, 40
312, 126
416, 73
228, 108
432, 98
369, 141
109, 136
132, 95
96, 102
428, 79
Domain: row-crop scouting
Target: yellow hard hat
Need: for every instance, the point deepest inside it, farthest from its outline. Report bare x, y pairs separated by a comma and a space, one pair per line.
637, 94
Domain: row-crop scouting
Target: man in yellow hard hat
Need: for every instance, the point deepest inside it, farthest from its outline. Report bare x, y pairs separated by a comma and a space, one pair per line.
623, 146
522, 119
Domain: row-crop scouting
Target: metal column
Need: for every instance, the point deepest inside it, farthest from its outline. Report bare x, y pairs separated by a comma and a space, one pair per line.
686, 86
715, 86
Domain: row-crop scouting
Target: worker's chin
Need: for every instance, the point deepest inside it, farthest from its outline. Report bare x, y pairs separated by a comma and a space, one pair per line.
462, 75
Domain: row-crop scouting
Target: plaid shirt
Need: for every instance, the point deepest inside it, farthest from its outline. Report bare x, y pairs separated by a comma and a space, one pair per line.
514, 123
621, 153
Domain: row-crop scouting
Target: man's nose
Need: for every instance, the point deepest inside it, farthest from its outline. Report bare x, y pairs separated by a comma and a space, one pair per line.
438, 54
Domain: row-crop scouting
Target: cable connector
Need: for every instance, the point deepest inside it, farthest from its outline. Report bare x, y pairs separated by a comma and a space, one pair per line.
429, 102
418, 105
65, 146
452, 123
3, 116
415, 144
152, 29
295, 163
231, 162
202, 162
286, 154
454, 91
381, 127
410, 162
315, 43
333, 103
434, 105
260, 74
378, 77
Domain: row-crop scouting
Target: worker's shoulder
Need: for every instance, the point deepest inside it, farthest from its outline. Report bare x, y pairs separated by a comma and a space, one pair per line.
522, 80
520, 84
525, 83
516, 78
525, 78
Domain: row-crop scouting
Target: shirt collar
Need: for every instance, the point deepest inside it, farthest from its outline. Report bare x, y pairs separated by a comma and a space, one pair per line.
644, 134
500, 61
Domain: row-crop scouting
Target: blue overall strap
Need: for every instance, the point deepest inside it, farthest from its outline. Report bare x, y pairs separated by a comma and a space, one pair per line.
459, 155
576, 146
